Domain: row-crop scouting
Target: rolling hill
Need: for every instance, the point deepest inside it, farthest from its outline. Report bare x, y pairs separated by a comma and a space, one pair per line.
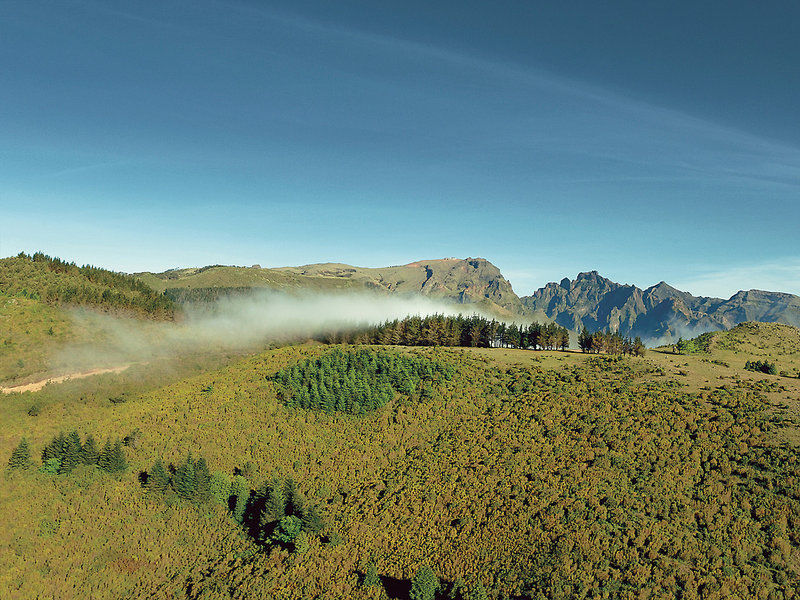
464, 281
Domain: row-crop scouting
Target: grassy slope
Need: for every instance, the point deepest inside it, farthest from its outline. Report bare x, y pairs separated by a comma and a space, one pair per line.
322, 278
232, 277
29, 331
524, 458
35, 295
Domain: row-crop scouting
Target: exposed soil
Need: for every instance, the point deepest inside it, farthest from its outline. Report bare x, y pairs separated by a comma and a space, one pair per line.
37, 385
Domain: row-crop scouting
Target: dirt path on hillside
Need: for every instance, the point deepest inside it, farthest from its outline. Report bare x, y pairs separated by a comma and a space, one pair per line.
37, 385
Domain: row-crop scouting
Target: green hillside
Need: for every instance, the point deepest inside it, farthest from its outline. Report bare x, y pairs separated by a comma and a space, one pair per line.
54, 281
534, 474
766, 342
36, 292
466, 281
220, 276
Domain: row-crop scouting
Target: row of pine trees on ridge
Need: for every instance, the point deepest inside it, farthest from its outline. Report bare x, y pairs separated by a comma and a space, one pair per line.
460, 330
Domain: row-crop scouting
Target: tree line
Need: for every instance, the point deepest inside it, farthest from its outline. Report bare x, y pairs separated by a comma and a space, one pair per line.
609, 342
65, 452
53, 280
467, 331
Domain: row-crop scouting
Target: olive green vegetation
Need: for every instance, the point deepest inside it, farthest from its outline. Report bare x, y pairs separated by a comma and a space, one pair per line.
208, 283
766, 343
55, 281
561, 476
35, 293
29, 331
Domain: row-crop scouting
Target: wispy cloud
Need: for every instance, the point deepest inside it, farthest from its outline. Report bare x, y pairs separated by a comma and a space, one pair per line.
778, 275
575, 117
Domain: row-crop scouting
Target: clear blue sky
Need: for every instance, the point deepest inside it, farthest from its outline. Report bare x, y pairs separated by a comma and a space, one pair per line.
646, 140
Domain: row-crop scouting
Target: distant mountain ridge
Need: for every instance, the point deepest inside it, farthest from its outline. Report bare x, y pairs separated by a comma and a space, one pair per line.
659, 312
466, 281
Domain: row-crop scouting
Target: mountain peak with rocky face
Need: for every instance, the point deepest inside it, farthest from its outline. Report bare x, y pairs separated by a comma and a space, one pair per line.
660, 312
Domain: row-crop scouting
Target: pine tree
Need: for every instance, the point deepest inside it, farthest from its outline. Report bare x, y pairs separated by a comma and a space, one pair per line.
183, 482
202, 479
117, 460
105, 456
21, 456
295, 505
371, 578
424, 585
476, 591
312, 519
275, 507
220, 488
89, 453
240, 489
55, 449
72, 454
157, 478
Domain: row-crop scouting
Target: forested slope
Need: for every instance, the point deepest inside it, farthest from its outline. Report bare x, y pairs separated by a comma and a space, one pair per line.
57, 282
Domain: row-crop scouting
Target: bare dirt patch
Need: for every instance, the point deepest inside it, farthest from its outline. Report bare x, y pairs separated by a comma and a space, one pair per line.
37, 385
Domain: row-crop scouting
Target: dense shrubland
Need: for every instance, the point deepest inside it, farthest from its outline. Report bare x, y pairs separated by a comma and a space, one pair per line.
469, 331
54, 281
355, 381
589, 480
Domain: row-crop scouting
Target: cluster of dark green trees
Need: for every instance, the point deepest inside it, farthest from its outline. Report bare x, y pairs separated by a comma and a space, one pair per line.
65, 452
761, 366
441, 330
426, 586
355, 381
609, 342
42, 277
274, 514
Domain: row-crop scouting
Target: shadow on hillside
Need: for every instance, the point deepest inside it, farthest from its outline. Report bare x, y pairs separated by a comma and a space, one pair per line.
396, 588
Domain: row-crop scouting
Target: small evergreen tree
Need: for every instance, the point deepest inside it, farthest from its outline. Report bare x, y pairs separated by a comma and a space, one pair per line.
21, 456
72, 454
90, 455
275, 507
220, 488
312, 519
157, 478
371, 578
240, 490
202, 477
55, 449
117, 462
105, 456
295, 505
183, 482
424, 585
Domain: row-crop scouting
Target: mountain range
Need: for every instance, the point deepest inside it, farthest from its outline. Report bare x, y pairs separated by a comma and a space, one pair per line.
659, 312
